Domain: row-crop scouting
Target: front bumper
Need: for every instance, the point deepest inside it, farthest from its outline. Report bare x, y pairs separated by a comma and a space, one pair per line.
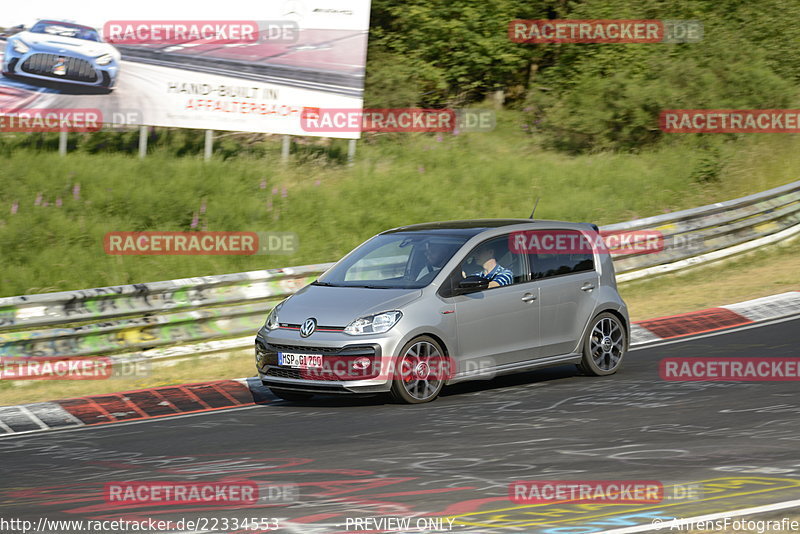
78, 70
338, 373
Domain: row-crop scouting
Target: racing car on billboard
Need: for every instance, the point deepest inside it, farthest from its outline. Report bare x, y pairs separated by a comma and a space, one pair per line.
63, 52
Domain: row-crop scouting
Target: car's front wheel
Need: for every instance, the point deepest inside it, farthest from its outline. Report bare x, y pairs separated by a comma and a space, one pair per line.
604, 345
420, 371
285, 394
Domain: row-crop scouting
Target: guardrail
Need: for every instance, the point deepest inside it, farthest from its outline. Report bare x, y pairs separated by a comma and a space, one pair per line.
712, 232
140, 317
187, 317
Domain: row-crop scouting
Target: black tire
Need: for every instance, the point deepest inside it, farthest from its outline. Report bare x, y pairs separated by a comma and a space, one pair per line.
604, 345
414, 383
285, 394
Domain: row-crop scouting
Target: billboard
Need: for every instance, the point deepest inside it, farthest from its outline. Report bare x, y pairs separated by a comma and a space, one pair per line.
181, 64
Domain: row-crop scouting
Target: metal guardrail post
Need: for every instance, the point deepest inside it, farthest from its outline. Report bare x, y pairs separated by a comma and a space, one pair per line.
142, 141
285, 146
209, 147
62, 143
351, 151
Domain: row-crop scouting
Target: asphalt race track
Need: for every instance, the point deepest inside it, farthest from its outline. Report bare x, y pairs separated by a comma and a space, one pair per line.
735, 443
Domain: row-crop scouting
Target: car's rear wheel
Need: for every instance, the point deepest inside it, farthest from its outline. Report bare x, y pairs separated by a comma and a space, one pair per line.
288, 395
604, 345
419, 371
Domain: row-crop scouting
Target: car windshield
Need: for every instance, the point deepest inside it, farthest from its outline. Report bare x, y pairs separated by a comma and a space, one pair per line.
400, 260
66, 30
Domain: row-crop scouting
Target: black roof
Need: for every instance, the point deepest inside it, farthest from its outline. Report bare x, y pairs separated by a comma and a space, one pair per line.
469, 227
473, 227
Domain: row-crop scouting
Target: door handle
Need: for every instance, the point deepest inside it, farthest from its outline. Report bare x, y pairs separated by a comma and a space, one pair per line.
588, 286
527, 297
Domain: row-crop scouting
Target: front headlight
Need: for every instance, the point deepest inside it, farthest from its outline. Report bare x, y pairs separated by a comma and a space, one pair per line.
20, 46
105, 59
272, 319
373, 324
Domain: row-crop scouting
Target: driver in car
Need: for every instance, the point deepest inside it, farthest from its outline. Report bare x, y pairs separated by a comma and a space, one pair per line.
492, 271
436, 255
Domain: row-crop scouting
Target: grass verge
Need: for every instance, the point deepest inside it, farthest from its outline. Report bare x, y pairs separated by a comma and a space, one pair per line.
749, 276
55, 211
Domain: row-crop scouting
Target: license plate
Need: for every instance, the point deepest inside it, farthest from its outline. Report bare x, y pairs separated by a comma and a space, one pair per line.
60, 67
300, 361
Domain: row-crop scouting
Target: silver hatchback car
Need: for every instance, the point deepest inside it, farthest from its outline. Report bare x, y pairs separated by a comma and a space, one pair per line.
419, 307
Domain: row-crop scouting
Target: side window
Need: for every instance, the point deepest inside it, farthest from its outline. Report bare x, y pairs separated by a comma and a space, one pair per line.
494, 259
549, 263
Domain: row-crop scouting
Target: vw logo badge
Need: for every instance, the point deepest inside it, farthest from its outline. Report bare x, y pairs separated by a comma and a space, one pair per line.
308, 327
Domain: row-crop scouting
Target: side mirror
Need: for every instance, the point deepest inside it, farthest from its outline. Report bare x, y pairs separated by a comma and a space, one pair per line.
471, 284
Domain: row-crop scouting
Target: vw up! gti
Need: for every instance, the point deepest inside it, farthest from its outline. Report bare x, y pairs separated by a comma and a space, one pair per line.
419, 307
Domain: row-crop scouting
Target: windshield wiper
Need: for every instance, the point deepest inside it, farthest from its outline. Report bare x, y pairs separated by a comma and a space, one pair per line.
328, 284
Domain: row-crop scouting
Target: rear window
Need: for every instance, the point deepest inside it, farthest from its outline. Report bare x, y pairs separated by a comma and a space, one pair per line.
561, 263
